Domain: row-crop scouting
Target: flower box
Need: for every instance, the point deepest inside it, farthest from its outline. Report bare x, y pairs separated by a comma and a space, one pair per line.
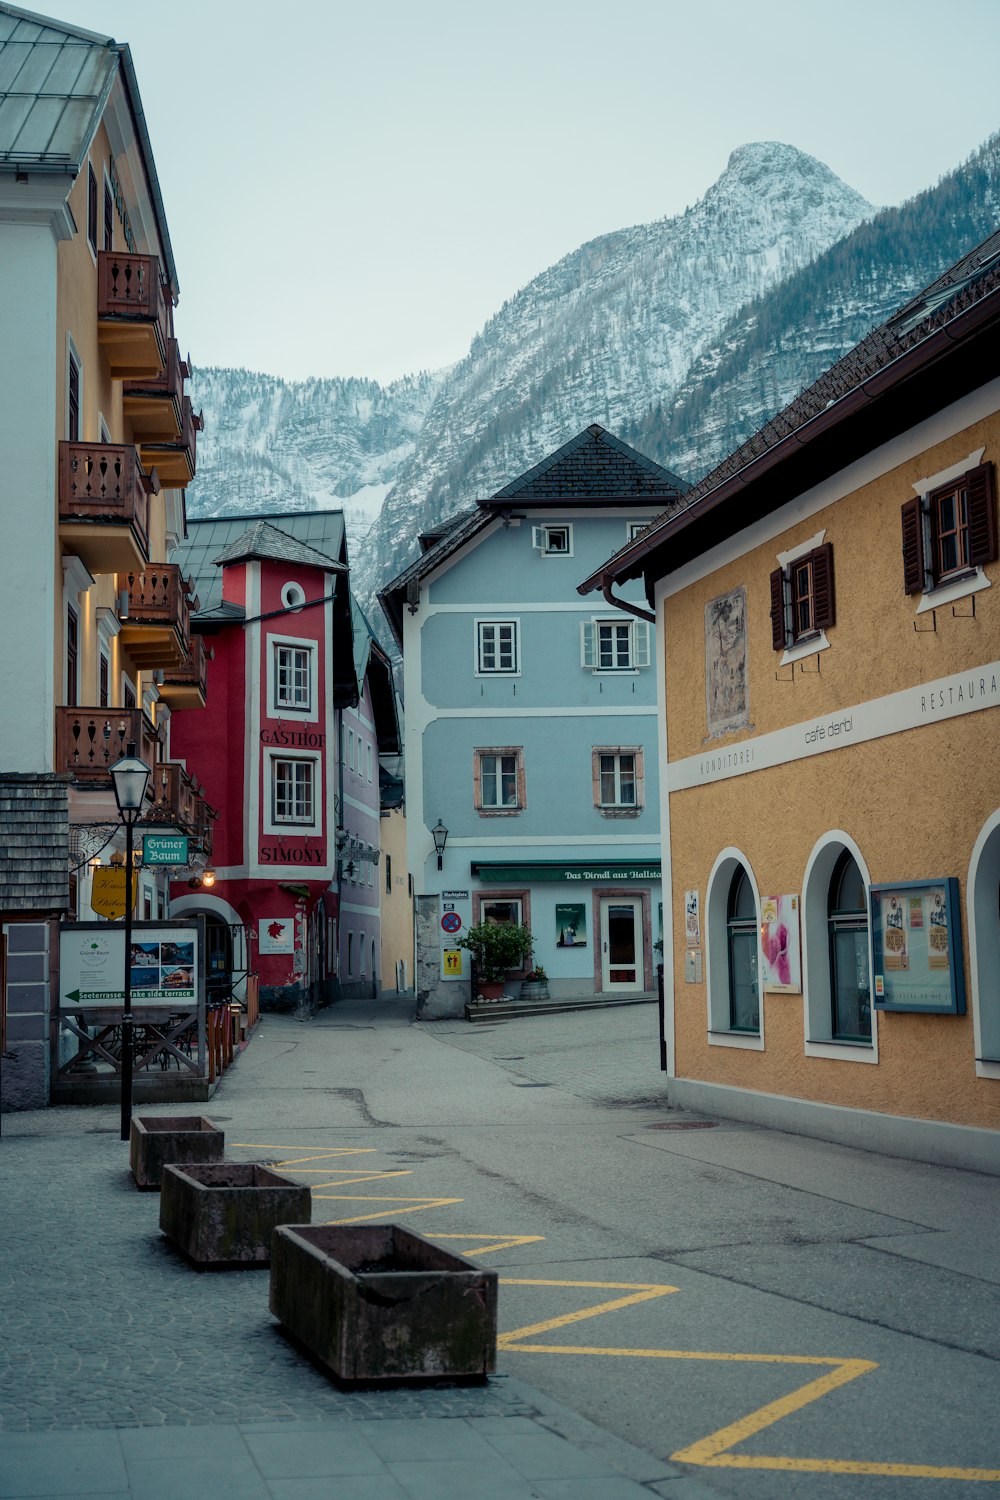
379, 1304
156, 1140
224, 1213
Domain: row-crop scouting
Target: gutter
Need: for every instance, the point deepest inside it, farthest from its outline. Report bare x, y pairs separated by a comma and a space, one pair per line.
876, 386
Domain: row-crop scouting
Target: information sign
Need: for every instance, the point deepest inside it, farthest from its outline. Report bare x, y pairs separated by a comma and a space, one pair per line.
163, 968
917, 946
164, 849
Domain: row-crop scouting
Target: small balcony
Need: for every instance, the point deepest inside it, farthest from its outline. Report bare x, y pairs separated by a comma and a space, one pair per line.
186, 686
174, 801
154, 406
205, 816
174, 456
131, 314
104, 505
90, 740
156, 632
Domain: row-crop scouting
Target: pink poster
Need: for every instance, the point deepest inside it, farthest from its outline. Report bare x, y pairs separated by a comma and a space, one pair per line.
779, 941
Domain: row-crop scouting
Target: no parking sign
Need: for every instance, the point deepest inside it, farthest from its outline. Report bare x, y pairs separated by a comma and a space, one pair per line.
451, 921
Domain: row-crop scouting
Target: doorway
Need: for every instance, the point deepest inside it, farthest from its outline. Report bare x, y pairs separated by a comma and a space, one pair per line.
621, 943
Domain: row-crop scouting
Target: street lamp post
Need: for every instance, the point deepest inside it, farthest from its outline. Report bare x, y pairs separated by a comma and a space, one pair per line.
439, 834
129, 777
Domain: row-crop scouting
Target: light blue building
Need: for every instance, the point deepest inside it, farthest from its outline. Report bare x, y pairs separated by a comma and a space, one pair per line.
531, 728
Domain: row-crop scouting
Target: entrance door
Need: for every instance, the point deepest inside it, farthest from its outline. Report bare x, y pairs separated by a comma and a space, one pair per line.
621, 943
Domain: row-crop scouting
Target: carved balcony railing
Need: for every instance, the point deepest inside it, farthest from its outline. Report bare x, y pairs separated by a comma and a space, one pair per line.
174, 801
90, 740
186, 686
104, 504
205, 817
131, 314
156, 632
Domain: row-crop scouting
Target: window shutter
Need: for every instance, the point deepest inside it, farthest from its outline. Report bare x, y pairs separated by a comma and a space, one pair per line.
642, 643
538, 537
982, 515
588, 643
823, 596
913, 546
778, 609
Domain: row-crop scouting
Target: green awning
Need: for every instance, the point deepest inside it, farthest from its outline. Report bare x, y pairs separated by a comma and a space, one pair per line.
580, 873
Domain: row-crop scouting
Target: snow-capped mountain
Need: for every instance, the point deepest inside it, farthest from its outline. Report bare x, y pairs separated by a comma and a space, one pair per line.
682, 336
273, 445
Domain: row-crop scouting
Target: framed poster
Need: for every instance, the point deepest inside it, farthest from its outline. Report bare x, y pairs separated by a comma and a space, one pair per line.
781, 962
571, 925
917, 947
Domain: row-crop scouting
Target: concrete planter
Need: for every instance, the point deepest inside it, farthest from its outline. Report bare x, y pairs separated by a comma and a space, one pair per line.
225, 1213
379, 1304
157, 1140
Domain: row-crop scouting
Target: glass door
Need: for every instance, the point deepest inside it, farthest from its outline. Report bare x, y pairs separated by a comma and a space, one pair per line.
621, 943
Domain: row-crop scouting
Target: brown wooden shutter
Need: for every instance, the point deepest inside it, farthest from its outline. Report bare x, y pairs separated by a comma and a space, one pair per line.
913, 546
982, 515
824, 603
778, 609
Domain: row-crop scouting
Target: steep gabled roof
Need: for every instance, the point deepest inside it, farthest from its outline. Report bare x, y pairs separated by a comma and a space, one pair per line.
55, 82
263, 540
941, 344
319, 531
594, 466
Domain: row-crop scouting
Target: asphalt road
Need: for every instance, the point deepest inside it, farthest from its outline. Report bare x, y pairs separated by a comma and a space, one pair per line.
769, 1314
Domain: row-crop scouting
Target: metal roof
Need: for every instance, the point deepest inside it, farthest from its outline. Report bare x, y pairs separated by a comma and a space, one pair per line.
320, 531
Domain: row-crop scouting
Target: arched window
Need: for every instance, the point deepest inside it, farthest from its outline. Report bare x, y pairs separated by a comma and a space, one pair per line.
741, 932
847, 923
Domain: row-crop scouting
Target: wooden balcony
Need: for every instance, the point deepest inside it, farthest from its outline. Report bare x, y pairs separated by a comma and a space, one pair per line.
174, 457
205, 816
186, 686
155, 405
173, 798
156, 632
104, 505
90, 740
131, 314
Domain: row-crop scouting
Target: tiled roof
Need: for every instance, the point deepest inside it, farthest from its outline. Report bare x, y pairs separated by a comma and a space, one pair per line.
34, 843
595, 465
319, 531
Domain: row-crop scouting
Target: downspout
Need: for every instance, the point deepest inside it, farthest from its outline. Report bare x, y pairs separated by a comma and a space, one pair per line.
607, 585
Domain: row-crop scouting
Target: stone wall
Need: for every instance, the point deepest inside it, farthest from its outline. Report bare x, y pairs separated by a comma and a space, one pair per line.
437, 999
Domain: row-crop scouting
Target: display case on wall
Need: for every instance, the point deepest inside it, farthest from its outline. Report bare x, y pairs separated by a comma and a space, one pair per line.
917, 946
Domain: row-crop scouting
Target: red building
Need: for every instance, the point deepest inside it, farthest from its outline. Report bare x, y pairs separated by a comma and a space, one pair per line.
276, 623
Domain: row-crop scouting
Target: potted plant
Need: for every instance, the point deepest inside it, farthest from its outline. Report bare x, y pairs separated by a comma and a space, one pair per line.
535, 984
496, 947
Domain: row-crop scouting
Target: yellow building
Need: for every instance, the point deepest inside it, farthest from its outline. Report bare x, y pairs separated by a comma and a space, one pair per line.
98, 442
828, 606
396, 915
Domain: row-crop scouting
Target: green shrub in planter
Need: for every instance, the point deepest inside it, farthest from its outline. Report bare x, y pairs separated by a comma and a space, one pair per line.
497, 947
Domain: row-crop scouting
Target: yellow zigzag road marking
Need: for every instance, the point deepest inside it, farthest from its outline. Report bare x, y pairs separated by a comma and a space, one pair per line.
713, 1451
503, 1242
353, 1179
419, 1205
313, 1154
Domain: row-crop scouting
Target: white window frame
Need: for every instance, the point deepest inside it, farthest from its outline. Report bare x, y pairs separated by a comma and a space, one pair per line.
73, 357
984, 946
275, 708
952, 588
541, 538
284, 825
817, 999
634, 529
616, 752
639, 654
812, 641
499, 753
719, 885
493, 624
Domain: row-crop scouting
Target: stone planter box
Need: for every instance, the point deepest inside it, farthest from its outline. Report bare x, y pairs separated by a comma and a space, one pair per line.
378, 1304
224, 1213
157, 1140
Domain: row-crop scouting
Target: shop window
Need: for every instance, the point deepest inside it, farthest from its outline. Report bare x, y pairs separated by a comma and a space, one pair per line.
553, 541
617, 779
850, 985
950, 531
504, 907
620, 645
497, 648
836, 954
742, 944
802, 598
498, 780
732, 945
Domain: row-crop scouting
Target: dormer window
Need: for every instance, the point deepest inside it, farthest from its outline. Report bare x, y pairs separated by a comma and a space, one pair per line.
553, 541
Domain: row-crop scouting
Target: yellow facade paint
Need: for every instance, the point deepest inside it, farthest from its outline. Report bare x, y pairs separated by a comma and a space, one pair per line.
396, 913
913, 801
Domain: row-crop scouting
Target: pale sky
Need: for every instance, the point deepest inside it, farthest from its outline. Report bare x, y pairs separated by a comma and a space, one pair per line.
354, 188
